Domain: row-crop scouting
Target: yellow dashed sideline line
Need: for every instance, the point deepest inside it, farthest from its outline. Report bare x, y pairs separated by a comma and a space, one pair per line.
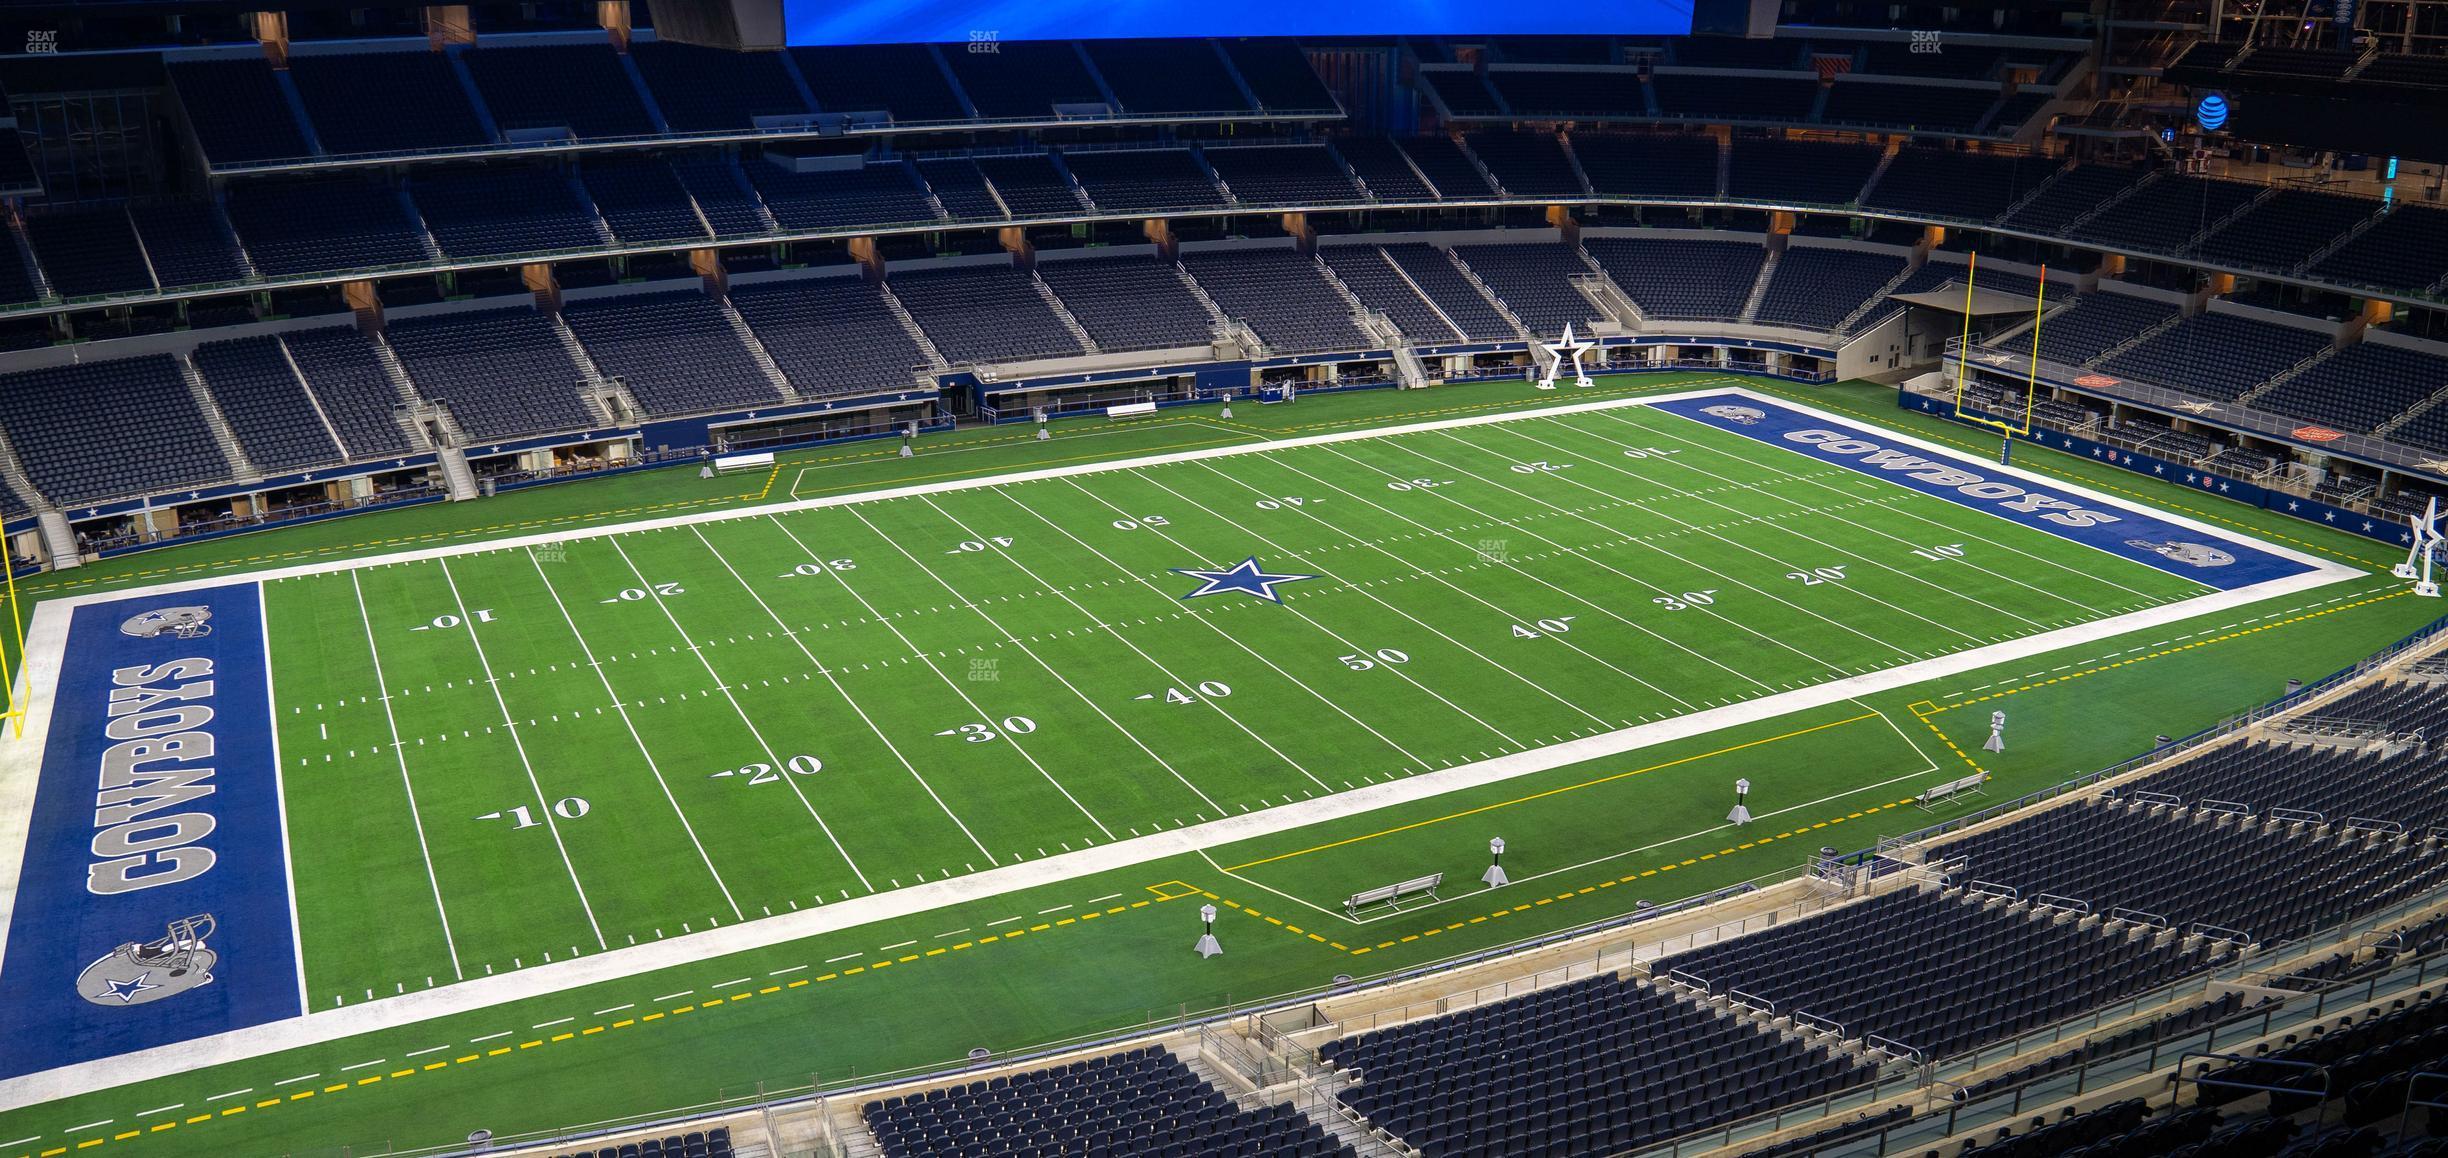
1926, 709
1171, 891
1553, 791
1585, 890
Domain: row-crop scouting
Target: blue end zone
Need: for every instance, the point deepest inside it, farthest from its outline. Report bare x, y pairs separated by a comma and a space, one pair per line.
159, 801
2207, 558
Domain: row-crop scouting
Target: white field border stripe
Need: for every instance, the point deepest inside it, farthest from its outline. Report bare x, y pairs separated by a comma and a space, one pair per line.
20, 761
280, 799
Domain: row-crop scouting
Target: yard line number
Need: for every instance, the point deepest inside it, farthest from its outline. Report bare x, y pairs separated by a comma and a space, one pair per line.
1556, 626
1818, 575
642, 594
1363, 661
811, 570
520, 816
1687, 600
1941, 552
446, 622
1209, 689
982, 733
1286, 501
761, 772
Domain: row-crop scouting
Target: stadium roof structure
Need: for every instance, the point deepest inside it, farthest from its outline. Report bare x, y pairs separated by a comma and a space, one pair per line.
1984, 303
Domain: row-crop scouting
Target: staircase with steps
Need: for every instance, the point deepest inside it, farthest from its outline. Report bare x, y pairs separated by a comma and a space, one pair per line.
13, 477
457, 479
2281, 378
1408, 369
756, 349
59, 540
1875, 300
2339, 242
2205, 232
1062, 313
1433, 307
1216, 319
2068, 229
1573, 159
1359, 310
1759, 289
2427, 405
24, 254
312, 399
901, 314
1472, 276
416, 221
1885, 159
216, 421
2033, 192
1485, 174
2129, 343
414, 412
1610, 298
601, 389
1349, 173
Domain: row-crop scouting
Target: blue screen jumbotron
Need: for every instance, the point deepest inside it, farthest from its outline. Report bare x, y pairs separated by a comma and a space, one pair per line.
963, 21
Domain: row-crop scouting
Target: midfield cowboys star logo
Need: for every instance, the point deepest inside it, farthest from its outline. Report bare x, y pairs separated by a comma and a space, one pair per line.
1244, 576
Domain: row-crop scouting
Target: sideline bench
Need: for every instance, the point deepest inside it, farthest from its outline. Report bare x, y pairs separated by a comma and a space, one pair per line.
761, 460
1968, 786
1393, 894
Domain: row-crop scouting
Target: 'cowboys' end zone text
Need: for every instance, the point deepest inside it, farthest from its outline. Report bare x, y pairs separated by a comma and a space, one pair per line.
152, 905
146, 831
2197, 553
1963, 482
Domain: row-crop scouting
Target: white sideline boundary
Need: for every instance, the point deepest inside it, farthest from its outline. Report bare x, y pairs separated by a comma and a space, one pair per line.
20, 760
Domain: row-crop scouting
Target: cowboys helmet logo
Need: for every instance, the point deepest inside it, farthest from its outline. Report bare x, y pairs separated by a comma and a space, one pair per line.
182, 622
1741, 415
134, 974
2190, 554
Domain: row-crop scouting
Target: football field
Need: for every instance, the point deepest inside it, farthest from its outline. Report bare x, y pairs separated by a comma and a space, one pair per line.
490, 760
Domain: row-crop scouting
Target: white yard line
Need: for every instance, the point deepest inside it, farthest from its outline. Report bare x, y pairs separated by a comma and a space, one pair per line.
280, 799
416, 820
948, 681
1031, 652
1576, 597
1586, 556
1325, 572
1169, 674
20, 764
622, 710
1736, 579
543, 805
1195, 616
1752, 520
1909, 511
1682, 463
1509, 616
826, 671
655, 596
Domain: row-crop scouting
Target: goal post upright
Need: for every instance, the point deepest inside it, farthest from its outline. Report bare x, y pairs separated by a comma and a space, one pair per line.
16, 714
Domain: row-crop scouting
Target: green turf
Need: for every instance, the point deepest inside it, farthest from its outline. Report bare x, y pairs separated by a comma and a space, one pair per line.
1576, 828
911, 689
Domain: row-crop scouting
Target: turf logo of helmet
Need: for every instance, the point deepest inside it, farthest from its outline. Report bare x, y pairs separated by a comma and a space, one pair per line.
180, 622
141, 973
2190, 554
1739, 415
